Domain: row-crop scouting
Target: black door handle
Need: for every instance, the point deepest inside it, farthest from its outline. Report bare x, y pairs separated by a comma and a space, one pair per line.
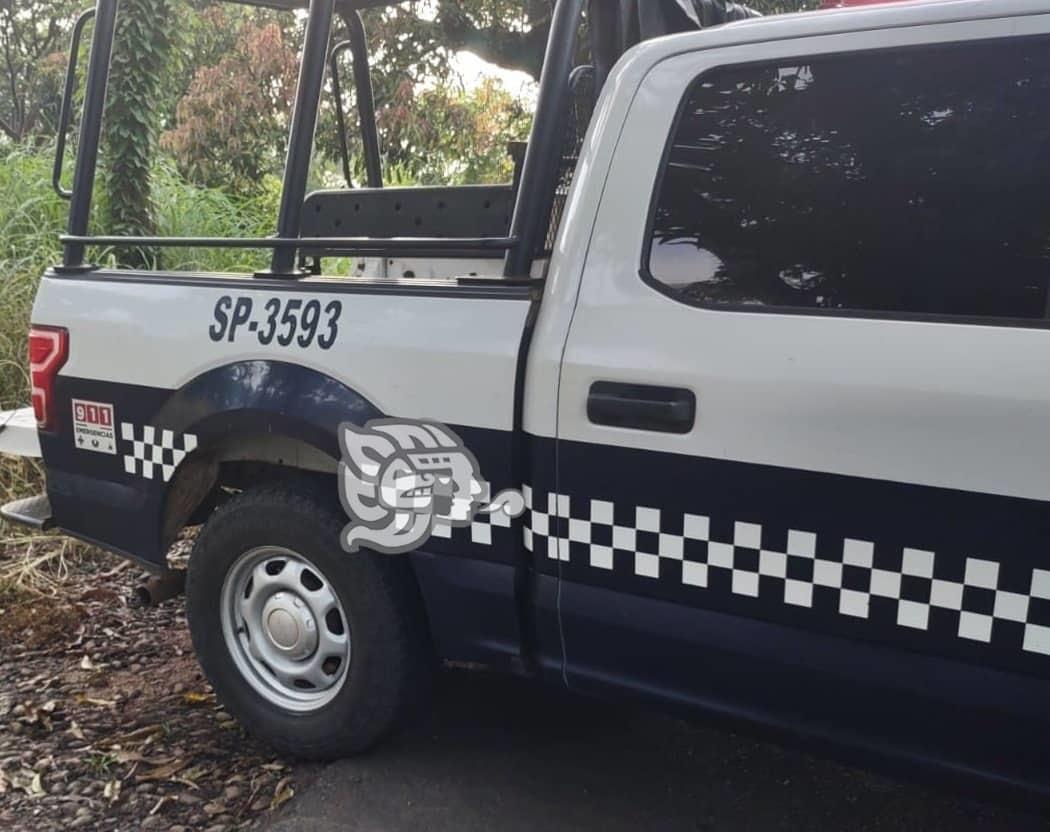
641, 406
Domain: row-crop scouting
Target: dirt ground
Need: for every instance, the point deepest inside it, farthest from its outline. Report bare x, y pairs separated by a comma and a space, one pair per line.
106, 721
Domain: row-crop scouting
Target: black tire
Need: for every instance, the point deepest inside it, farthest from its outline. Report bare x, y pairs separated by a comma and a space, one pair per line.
390, 664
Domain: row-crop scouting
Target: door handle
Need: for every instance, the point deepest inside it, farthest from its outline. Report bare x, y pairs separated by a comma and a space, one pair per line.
641, 406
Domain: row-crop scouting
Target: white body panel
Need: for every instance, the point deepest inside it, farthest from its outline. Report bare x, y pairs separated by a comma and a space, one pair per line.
18, 436
444, 358
931, 403
434, 268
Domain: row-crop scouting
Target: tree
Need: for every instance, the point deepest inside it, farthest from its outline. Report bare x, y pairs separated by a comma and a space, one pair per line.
449, 135
143, 43
508, 33
232, 124
32, 41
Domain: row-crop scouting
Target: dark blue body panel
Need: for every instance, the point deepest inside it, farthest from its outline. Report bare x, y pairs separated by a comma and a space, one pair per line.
95, 497
925, 695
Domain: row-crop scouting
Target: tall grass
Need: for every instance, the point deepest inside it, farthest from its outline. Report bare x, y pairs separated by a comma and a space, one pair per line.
31, 218
184, 210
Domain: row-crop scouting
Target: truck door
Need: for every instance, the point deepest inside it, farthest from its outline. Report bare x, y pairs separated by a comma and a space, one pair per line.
805, 400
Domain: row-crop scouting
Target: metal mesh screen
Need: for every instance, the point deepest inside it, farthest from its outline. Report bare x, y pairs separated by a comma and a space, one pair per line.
576, 121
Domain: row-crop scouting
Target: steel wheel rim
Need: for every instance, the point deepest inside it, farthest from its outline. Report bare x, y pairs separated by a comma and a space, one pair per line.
285, 628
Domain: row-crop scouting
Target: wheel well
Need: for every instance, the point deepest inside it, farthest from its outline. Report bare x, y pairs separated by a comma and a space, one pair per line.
214, 473
209, 473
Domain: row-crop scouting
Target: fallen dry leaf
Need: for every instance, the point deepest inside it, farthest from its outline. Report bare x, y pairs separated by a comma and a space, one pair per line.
141, 733
112, 791
164, 772
91, 700
195, 773
282, 793
121, 717
216, 807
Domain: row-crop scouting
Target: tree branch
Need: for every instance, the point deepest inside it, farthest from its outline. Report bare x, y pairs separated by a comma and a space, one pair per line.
515, 50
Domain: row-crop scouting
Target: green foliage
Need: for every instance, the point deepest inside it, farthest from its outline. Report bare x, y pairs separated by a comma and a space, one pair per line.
33, 37
28, 241
509, 33
451, 135
141, 49
232, 123
32, 220
186, 210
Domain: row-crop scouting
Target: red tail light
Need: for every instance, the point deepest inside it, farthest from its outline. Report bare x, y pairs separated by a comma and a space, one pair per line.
48, 351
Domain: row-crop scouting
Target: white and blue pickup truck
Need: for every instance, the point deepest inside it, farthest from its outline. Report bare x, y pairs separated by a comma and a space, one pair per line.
762, 431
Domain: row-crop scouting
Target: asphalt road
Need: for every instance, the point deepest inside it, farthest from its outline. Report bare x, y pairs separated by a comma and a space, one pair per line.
502, 754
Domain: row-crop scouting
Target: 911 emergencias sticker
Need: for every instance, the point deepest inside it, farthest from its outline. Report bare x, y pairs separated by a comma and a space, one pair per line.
93, 427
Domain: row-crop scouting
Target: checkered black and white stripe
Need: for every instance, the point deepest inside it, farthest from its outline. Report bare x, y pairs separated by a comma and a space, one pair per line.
155, 451
481, 527
903, 588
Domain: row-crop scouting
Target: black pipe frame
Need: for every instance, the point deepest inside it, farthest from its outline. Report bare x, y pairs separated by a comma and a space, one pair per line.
535, 194
357, 43
65, 112
356, 244
539, 171
340, 119
90, 130
301, 137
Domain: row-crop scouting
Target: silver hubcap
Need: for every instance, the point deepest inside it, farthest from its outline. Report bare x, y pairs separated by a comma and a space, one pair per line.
285, 628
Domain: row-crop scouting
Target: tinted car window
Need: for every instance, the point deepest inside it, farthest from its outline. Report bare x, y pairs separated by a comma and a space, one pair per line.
912, 181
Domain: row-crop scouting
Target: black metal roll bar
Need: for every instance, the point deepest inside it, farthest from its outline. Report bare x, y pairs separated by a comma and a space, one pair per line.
90, 129
355, 245
301, 138
340, 118
357, 43
539, 173
65, 113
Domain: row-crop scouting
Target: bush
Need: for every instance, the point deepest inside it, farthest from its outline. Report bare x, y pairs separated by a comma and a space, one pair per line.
32, 217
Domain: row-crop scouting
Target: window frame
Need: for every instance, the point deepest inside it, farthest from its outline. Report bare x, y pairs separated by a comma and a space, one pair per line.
655, 283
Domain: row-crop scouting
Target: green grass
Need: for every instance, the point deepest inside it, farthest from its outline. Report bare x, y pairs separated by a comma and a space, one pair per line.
31, 218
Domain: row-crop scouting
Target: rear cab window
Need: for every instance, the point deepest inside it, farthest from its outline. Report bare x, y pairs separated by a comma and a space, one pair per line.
895, 183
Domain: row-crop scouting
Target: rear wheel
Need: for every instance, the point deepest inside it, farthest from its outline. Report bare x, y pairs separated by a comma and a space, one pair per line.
317, 651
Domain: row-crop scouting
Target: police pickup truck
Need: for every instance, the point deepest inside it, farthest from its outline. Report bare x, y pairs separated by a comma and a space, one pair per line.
753, 418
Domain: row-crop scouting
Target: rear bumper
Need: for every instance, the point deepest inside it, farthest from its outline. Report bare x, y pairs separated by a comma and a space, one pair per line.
29, 511
18, 436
